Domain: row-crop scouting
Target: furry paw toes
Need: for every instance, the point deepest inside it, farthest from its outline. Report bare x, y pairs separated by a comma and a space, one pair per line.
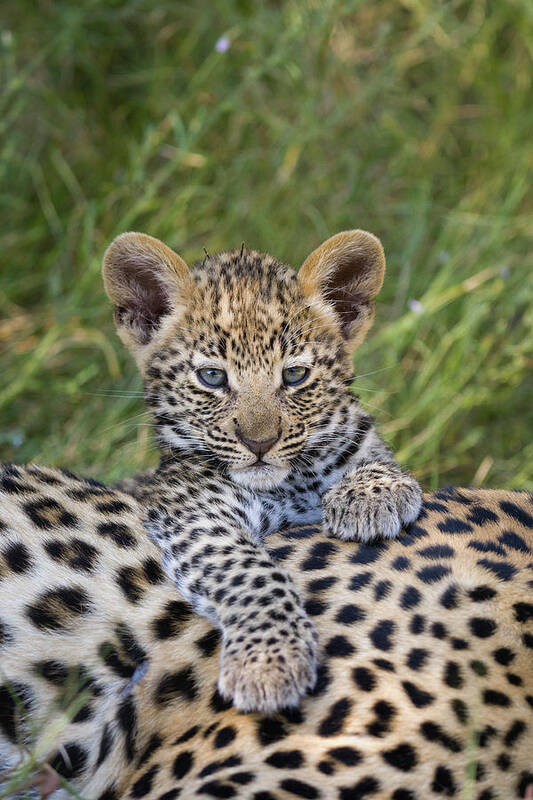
364, 509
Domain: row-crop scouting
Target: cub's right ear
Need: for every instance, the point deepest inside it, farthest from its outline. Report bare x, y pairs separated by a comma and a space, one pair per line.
145, 280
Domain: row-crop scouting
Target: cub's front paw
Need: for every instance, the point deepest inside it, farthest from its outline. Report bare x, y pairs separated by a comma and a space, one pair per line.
371, 503
268, 669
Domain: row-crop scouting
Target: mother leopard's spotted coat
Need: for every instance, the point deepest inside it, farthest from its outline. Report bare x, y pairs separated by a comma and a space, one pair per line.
425, 679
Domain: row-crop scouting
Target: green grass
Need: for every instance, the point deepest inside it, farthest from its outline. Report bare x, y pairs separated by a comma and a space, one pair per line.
411, 119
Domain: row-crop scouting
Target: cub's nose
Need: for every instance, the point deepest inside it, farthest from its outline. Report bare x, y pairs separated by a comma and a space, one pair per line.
258, 447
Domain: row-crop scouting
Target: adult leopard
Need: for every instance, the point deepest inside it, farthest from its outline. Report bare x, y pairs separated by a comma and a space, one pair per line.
425, 686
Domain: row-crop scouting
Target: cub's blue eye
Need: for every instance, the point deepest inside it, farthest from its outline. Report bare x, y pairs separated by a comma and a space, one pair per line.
293, 376
212, 377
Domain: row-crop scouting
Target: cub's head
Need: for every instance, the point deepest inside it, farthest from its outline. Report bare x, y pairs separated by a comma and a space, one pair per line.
245, 361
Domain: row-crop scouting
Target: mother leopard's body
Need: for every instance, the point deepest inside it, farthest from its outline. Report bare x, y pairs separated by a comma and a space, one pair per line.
425, 679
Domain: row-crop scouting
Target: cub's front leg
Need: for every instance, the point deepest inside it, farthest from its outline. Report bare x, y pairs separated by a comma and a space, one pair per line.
372, 501
212, 552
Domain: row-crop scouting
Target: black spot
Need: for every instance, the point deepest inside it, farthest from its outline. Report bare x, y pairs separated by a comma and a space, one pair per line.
459, 644
410, 598
53, 671
359, 581
434, 573
189, 734
323, 680
382, 589
119, 533
486, 547
339, 647
443, 782
501, 569
285, 759
495, 698
46, 514
503, 761
334, 721
479, 515
170, 795
112, 507
18, 557
130, 582
452, 675
416, 658
143, 785
381, 634
437, 551
348, 756
318, 555
315, 607
514, 542
359, 790
482, 627
515, 732
526, 778
384, 712
460, 710
172, 686
106, 741
402, 757
281, 553
153, 572
384, 663
321, 584
523, 611
5, 634
182, 764
127, 720
217, 789
216, 766
438, 630
364, 679
454, 525
299, 789
434, 733
449, 598
481, 593
208, 643
224, 736
417, 624
55, 608
366, 554
218, 703
478, 667
349, 614
70, 761
417, 696
403, 794
401, 564
109, 655
15, 703
171, 623
242, 778
517, 513
109, 794
270, 730
154, 743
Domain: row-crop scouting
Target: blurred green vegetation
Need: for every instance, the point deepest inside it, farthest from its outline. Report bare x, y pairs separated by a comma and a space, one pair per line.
412, 119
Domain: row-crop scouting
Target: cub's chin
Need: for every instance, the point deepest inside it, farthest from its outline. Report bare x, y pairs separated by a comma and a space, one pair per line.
260, 477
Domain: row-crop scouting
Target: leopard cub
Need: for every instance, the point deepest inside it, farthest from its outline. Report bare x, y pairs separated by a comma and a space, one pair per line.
247, 368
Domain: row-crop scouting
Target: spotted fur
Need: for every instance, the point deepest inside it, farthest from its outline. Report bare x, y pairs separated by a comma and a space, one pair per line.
425, 680
256, 454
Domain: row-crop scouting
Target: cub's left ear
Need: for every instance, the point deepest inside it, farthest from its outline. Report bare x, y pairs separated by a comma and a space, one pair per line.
346, 273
